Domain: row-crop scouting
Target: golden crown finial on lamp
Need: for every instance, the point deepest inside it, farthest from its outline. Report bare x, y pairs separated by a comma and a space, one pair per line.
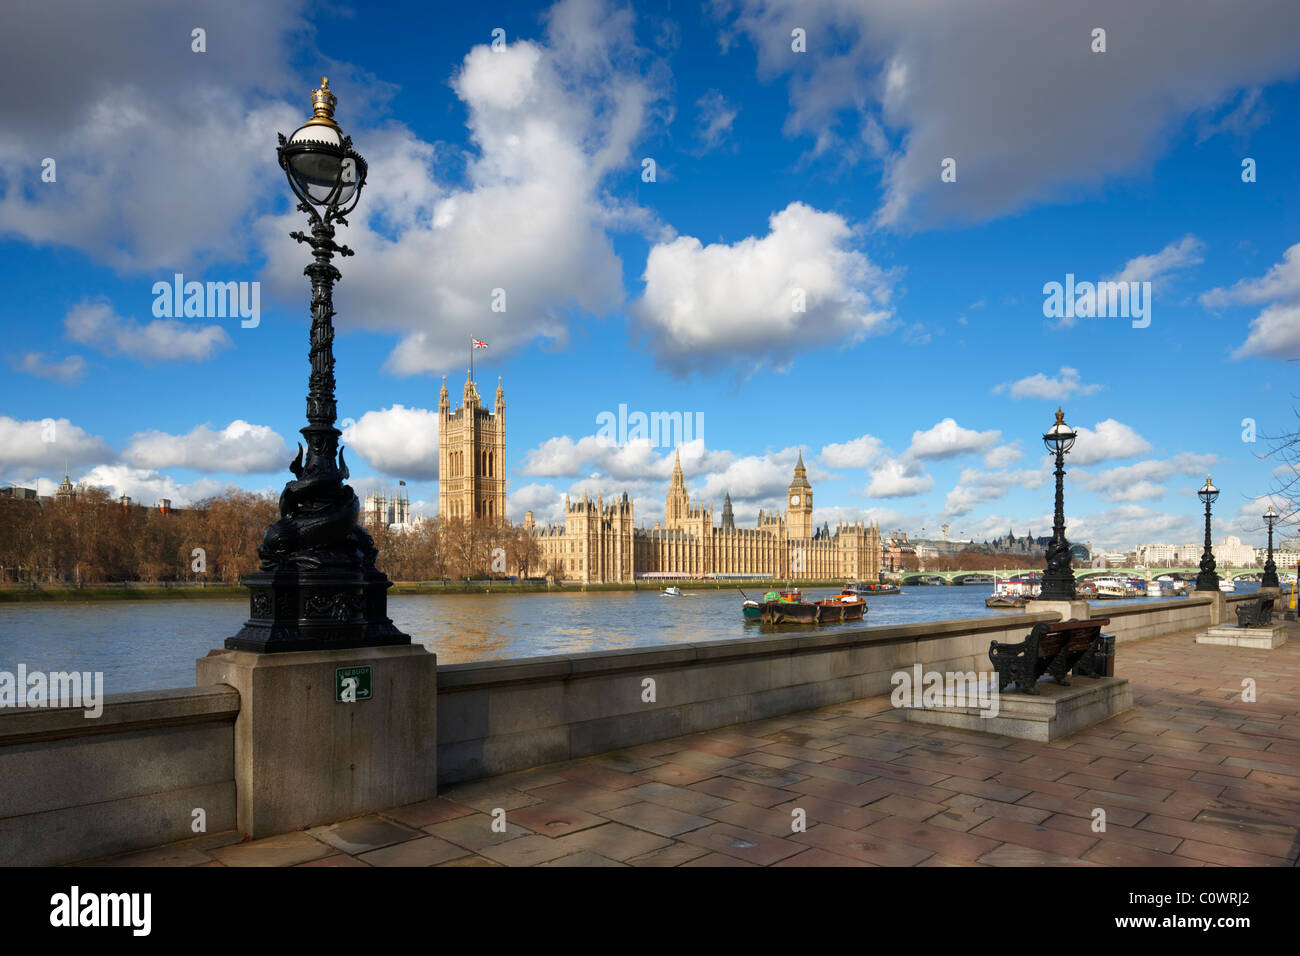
322, 103
1060, 416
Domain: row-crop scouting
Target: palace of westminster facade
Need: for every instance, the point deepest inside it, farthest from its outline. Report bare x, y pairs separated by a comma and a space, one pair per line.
598, 542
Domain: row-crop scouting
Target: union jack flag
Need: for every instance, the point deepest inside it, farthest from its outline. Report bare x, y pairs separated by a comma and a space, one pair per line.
478, 344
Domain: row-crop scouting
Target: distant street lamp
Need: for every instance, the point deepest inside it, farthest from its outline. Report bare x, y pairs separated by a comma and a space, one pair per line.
1207, 580
1058, 578
318, 587
1270, 569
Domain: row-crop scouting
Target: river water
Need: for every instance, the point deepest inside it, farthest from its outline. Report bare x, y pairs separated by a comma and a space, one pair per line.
152, 644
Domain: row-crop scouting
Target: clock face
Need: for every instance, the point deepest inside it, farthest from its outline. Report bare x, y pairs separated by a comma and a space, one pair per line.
794, 500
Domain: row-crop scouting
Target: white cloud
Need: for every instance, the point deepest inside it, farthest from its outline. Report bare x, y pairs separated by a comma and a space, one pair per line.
546, 503
637, 458
148, 487
715, 119
1128, 525
1280, 283
47, 444
1157, 266
162, 153
858, 453
1040, 386
1109, 440
1009, 88
1139, 481
69, 369
731, 304
400, 442
1003, 455
898, 478
1275, 332
976, 487
239, 447
163, 340
756, 480
549, 122
947, 439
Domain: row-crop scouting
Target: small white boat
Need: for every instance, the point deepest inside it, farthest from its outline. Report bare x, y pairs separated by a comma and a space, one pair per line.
1111, 588
673, 591
1227, 584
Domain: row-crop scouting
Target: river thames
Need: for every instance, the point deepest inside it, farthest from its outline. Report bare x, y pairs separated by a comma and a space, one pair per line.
152, 644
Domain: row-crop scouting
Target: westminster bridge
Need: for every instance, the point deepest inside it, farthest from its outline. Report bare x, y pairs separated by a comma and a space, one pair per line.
1082, 574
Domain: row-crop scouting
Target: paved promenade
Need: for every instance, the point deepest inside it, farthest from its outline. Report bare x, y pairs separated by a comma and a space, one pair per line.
1192, 776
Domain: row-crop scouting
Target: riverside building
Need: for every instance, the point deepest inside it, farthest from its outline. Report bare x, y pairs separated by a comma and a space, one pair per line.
599, 543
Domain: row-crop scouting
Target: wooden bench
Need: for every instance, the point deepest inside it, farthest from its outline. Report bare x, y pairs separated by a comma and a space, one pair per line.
1055, 649
1256, 613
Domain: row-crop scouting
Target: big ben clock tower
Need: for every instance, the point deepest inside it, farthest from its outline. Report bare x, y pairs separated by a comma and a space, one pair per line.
799, 522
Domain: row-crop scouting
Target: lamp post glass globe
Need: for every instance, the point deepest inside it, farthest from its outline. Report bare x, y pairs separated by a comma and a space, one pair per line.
323, 168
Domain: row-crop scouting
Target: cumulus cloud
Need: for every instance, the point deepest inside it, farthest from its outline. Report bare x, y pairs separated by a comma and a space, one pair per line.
637, 458
1281, 282
898, 478
1125, 525
147, 486
1003, 455
1140, 481
757, 480
1040, 386
977, 487
69, 369
858, 453
49, 443
95, 324
1108, 440
706, 305
161, 154
947, 439
546, 503
1009, 88
1159, 265
508, 254
399, 441
239, 447
1275, 332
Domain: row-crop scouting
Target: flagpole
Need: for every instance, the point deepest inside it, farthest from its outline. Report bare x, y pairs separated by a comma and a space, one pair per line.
471, 358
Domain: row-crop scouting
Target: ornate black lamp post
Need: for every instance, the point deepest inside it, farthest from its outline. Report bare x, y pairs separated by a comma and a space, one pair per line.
1207, 580
1269, 580
1058, 579
317, 587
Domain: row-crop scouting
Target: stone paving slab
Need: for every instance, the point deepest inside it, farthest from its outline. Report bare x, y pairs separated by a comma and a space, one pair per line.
1192, 775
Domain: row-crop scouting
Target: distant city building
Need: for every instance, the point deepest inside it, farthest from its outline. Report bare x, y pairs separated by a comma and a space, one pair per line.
391, 510
1288, 560
1173, 555
895, 551
1230, 552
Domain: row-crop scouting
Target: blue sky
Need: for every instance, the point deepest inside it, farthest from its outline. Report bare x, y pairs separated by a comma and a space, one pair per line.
920, 374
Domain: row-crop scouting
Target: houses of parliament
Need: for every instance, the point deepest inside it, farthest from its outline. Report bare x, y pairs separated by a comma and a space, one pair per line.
598, 541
